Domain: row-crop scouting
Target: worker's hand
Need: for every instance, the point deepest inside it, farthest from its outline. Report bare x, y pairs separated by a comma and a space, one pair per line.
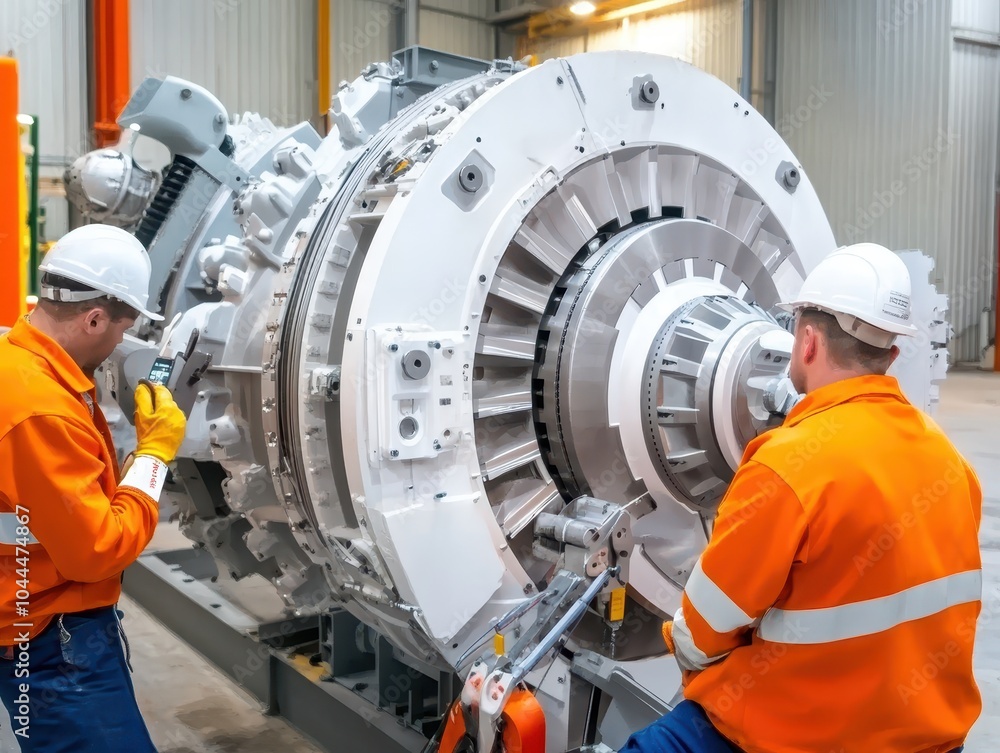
159, 423
668, 635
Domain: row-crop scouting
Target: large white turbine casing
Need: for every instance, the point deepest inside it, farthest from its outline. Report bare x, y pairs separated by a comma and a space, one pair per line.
561, 150
422, 341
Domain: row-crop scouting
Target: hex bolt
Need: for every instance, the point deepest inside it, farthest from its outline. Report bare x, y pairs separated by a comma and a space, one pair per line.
440, 495
393, 348
649, 92
394, 453
470, 178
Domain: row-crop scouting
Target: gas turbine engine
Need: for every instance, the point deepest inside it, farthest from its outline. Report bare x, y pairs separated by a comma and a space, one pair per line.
489, 350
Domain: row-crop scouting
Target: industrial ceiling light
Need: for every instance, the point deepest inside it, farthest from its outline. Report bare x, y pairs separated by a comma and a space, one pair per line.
582, 8
633, 10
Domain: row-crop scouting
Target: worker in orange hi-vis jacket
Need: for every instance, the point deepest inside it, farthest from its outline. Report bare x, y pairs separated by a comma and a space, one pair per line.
834, 609
69, 522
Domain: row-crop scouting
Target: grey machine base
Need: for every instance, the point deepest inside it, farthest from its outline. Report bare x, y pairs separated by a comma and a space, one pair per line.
278, 662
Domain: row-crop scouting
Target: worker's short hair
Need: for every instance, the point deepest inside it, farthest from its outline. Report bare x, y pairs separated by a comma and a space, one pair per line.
64, 310
847, 351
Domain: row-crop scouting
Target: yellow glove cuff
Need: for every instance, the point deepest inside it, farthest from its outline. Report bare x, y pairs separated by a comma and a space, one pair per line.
668, 635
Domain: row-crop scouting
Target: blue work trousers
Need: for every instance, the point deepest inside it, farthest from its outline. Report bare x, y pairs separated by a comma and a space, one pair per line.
686, 729
77, 695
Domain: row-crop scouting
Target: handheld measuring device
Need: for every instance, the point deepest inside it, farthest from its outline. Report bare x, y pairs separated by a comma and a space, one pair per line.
181, 373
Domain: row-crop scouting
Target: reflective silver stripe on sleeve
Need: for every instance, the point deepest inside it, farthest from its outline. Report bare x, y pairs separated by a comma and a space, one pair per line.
688, 655
720, 612
8, 531
812, 626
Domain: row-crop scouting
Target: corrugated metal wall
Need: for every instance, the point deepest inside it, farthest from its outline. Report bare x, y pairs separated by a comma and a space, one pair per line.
708, 37
862, 99
48, 37
970, 264
365, 31
457, 26
980, 15
254, 55
896, 123
362, 32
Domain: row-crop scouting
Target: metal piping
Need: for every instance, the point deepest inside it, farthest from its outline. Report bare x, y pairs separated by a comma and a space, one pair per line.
746, 77
411, 23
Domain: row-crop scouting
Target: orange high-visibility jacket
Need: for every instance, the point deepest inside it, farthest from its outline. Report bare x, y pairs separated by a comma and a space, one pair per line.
59, 474
834, 609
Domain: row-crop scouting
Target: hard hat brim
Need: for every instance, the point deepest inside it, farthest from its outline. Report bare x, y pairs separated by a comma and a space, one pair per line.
891, 327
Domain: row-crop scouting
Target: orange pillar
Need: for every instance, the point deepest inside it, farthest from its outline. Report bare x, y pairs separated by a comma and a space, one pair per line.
11, 223
323, 57
111, 68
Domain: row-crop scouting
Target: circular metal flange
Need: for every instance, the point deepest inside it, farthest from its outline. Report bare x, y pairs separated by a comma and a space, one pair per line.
416, 364
708, 340
582, 447
754, 359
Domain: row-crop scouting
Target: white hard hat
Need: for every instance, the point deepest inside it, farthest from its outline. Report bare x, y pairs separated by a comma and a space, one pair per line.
867, 287
107, 259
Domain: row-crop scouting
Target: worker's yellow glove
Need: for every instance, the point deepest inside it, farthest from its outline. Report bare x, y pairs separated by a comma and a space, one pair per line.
159, 423
668, 635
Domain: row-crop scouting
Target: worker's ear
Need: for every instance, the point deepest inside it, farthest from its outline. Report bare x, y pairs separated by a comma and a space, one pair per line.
893, 354
810, 343
96, 321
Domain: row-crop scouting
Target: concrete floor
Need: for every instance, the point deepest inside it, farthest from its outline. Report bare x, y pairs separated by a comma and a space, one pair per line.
970, 414
192, 708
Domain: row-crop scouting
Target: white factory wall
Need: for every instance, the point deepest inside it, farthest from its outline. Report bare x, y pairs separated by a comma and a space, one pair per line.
895, 122
254, 55
708, 36
457, 26
361, 32
366, 31
970, 263
48, 38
